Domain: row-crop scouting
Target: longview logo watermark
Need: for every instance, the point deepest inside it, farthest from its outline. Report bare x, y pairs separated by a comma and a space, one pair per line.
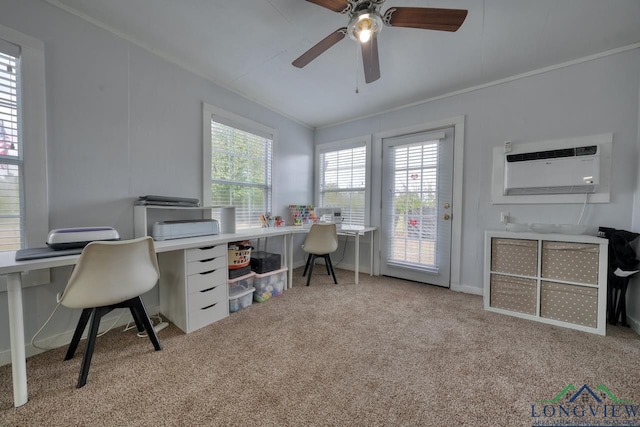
585, 407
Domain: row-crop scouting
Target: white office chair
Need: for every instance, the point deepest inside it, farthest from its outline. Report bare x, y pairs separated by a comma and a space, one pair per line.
110, 275
321, 241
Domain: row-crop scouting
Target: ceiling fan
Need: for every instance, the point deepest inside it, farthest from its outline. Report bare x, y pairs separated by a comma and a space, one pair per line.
366, 21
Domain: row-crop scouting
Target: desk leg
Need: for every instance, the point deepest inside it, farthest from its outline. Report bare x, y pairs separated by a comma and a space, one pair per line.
290, 262
371, 253
357, 256
16, 332
284, 260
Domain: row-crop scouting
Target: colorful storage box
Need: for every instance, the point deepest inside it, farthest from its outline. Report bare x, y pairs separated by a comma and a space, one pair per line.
269, 285
240, 298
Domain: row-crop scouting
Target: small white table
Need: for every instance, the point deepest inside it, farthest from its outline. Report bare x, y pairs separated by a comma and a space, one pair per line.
13, 270
357, 231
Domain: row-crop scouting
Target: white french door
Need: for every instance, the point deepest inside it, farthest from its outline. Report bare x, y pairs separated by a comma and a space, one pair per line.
417, 189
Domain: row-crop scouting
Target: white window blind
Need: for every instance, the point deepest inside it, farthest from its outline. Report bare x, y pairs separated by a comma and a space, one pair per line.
343, 182
11, 181
414, 204
241, 172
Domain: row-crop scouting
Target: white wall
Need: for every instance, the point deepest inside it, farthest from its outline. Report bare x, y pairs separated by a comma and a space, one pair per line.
588, 98
123, 122
633, 292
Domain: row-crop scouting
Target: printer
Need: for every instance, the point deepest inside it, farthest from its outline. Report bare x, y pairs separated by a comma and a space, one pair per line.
166, 230
79, 237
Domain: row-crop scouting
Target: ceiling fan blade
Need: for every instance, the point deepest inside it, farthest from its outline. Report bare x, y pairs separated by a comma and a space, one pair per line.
320, 47
370, 60
426, 18
340, 6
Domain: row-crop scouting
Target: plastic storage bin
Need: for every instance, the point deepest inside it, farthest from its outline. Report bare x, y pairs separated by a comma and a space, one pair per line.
240, 298
245, 282
242, 271
269, 285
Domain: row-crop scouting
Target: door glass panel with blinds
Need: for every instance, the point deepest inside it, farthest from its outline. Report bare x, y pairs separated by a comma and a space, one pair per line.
343, 182
11, 197
416, 206
241, 172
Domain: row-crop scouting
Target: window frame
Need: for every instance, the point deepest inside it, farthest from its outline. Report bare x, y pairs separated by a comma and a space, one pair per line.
360, 141
34, 150
209, 113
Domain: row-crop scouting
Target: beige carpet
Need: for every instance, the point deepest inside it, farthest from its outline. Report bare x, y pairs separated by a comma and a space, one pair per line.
384, 352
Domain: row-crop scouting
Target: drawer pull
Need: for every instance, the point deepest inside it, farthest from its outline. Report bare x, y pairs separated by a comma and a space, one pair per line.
208, 307
207, 290
206, 260
207, 272
206, 248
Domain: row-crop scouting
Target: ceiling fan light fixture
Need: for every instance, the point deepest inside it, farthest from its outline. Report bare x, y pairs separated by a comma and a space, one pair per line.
364, 25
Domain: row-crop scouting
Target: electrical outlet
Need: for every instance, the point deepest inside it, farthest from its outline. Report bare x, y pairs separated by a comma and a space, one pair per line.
504, 217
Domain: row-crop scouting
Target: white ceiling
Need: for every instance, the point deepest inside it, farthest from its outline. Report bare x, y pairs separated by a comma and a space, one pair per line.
248, 46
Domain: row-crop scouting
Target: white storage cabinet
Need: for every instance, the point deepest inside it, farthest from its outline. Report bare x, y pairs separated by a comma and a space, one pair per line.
193, 286
551, 278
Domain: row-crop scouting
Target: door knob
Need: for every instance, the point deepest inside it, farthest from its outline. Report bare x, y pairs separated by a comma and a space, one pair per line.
446, 206
446, 217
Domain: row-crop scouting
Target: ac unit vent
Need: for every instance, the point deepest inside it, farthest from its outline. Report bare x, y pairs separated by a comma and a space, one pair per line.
560, 171
553, 154
568, 189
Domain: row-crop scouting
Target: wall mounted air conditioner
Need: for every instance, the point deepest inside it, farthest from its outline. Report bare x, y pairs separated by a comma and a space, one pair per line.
561, 171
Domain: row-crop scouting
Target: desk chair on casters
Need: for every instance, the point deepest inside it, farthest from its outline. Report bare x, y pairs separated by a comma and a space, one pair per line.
110, 275
321, 241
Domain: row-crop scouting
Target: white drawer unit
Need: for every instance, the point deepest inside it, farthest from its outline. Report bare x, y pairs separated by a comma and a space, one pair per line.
193, 286
551, 278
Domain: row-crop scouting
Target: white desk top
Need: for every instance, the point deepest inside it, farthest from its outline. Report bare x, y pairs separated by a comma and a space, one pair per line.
8, 263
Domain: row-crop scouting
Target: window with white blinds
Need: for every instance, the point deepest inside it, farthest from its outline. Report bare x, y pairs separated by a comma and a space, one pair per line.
342, 176
11, 182
241, 172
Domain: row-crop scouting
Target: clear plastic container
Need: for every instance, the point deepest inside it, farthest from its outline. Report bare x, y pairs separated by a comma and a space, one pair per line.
245, 282
269, 284
240, 298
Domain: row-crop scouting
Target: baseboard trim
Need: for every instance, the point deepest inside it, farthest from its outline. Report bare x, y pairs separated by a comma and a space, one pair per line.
634, 324
466, 289
64, 338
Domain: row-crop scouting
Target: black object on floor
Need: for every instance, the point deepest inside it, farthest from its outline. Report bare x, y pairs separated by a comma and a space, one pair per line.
623, 257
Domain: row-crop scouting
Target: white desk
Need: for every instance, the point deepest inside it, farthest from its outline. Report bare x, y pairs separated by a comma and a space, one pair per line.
353, 230
13, 270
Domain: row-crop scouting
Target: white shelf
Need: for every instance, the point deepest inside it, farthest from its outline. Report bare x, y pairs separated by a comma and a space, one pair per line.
600, 305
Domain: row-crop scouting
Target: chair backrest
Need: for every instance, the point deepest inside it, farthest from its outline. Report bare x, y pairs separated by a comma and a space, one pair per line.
112, 272
321, 240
